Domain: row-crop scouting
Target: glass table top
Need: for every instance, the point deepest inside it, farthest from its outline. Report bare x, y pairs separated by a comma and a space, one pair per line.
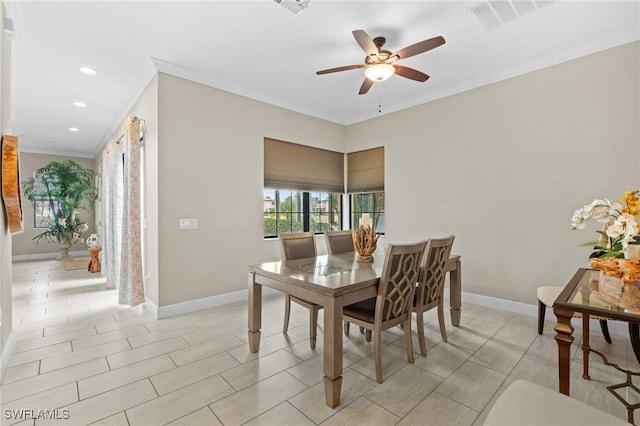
590, 291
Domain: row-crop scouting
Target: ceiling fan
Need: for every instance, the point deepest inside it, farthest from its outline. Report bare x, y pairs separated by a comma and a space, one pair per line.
379, 63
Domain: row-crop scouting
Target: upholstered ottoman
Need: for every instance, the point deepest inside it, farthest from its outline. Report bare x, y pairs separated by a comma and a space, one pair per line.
526, 403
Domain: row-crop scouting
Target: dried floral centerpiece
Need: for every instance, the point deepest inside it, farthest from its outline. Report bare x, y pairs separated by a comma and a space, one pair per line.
365, 240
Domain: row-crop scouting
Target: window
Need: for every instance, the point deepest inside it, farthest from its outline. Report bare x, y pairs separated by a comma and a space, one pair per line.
325, 212
371, 203
43, 212
300, 211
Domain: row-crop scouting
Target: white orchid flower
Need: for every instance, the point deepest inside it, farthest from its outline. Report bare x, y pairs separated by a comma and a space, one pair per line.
615, 230
577, 221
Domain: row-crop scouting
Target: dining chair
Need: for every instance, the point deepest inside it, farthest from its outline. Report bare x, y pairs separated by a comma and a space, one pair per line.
299, 245
339, 241
392, 305
430, 288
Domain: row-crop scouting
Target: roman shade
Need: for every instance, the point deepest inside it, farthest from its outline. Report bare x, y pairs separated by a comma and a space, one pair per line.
292, 166
365, 171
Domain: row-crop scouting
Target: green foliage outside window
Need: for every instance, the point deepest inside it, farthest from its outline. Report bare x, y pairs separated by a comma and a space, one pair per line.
371, 203
285, 211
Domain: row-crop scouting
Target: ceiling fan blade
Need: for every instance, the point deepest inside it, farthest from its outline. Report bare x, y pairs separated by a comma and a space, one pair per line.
410, 73
420, 47
366, 85
345, 68
365, 42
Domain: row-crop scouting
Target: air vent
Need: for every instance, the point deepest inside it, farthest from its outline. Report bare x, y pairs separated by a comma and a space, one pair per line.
293, 6
8, 27
494, 13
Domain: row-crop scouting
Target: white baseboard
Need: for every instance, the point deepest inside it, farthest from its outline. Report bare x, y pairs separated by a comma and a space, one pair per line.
46, 256
151, 307
200, 304
502, 304
617, 328
7, 350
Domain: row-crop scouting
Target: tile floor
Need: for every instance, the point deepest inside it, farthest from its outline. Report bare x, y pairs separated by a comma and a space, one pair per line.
100, 363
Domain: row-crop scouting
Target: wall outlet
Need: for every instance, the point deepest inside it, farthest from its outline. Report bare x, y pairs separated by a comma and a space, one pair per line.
188, 223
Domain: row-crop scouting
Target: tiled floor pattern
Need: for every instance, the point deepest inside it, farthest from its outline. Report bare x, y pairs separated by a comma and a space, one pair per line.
100, 363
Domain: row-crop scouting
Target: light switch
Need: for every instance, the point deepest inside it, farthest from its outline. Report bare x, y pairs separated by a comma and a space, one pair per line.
188, 223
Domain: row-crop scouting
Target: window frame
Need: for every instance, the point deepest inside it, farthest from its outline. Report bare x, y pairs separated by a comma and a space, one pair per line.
373, 213
306, 210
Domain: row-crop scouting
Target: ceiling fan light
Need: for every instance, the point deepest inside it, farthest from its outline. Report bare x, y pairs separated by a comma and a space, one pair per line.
379, 72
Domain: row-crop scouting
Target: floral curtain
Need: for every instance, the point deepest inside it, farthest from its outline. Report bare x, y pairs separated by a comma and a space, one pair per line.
111, 203
131, 279
122, 250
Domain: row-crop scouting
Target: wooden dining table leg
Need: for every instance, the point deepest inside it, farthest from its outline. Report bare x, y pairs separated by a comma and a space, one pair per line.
332, 355
455, 293
564, 338
255, 313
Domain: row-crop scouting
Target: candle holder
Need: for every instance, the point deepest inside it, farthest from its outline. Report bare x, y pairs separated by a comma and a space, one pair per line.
365, 242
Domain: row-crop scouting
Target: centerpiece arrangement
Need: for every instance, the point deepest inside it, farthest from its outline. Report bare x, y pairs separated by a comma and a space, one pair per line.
616, 254
66, 187
365, 240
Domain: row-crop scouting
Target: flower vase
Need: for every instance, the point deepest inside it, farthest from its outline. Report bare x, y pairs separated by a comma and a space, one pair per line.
64, 247
632, 252
619, 282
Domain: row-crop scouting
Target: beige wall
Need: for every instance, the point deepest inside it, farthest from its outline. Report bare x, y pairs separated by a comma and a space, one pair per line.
23, 244
6, 324
210, 162
504, 166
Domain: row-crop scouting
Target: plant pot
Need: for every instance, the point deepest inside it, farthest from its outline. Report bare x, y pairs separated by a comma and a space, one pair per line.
64, 247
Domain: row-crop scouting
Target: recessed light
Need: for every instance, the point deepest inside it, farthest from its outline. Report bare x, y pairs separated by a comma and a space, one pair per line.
74, 129
52, 141
87, 70
80, 104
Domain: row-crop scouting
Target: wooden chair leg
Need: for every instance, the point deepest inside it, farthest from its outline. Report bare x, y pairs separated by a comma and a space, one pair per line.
287, 312
421, 339
378, 354
542, 308
313, 328
407, 340
367, 335
346, 328
605, 330
361, 330
443, 330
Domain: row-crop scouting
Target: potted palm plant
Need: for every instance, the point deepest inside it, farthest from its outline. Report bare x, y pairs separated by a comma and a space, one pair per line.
67, 188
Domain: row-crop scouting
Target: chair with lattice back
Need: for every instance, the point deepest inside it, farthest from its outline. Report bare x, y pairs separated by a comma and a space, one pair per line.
392, 305
430, 288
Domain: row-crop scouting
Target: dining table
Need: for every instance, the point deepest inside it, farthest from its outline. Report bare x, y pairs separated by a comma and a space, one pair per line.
332, 281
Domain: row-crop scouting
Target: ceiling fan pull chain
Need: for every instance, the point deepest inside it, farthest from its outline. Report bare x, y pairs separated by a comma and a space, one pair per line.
379, 97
